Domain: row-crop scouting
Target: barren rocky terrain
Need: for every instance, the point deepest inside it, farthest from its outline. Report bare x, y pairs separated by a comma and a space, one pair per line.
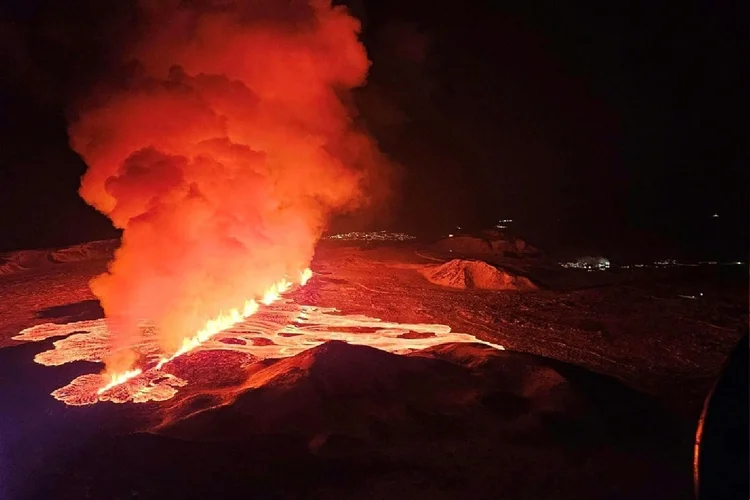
595, 396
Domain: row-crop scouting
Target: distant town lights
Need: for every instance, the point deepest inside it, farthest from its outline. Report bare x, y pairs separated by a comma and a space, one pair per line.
371, 236
501, 224
589, 264
601, 264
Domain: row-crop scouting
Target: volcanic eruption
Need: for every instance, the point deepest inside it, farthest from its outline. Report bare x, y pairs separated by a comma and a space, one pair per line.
220, 154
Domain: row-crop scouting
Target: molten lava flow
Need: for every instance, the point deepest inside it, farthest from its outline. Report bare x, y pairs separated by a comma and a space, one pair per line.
274, 292
282, 330
120, 378
214, 326
224, 322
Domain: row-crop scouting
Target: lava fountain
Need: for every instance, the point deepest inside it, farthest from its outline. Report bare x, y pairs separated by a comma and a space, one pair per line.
221, 147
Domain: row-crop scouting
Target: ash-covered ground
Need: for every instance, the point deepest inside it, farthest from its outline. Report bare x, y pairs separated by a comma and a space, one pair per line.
596, 395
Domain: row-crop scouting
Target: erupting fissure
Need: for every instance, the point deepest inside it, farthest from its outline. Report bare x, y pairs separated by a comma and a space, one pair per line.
214, 326
222, 144
120, 378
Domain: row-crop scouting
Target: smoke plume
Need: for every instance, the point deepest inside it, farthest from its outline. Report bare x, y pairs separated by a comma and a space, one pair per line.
221, 154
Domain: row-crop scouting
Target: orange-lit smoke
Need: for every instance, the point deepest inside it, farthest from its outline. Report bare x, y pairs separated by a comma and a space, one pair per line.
221, 156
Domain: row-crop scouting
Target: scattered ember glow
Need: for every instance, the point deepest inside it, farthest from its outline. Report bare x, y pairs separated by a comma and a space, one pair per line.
281, 330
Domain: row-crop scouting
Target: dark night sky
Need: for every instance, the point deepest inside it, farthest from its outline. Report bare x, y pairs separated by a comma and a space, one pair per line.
608, 125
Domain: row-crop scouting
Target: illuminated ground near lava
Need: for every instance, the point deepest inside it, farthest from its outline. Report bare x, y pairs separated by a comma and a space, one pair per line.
281, 330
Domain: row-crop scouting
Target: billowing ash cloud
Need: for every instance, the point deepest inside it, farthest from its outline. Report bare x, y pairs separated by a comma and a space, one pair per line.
221, 156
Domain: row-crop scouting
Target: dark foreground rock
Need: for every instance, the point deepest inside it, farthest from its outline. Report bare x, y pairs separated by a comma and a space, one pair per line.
345, 421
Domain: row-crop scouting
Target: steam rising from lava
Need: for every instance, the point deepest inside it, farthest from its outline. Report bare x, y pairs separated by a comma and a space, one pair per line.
221, 156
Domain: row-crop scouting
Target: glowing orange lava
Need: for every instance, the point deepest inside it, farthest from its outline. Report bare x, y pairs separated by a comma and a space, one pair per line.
274, 292
213, 326
281, 330
120, 378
